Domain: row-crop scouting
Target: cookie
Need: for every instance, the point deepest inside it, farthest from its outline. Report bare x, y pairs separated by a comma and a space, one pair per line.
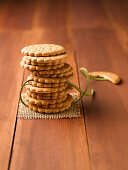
54, 95
57, 59
63, 69
54, 75
26, 61
114, 78
49, 67
45, 89
43, 50
51, 80
38, 97
43, 110
36, 102
36, 84
56, 108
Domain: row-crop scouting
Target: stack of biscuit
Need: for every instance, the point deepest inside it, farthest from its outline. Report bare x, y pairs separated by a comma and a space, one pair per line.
47, 92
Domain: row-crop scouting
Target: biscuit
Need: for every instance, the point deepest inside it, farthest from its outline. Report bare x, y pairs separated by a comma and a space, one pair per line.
36, 102
44, 110
63, 69
26, 61
45, 89
43, 50
51, 80
36, 84
54, 95
114, 78
55, 108
49, 67
58, 59
38, 97
54, 75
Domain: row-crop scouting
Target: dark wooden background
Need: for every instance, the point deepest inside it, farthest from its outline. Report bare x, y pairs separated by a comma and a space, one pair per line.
98, 31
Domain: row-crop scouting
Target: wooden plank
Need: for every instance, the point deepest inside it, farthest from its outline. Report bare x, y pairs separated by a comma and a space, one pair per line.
50, 14
117, 12
51, 144
11, 78
106, 113
87, 14
16, 14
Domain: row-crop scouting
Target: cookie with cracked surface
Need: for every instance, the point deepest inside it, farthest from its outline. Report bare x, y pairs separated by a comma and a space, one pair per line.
43, 50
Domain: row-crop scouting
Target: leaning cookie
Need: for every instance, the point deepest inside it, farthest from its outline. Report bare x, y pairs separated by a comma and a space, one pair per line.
43, 102
51, 80
43, 50
49, 67
66, 104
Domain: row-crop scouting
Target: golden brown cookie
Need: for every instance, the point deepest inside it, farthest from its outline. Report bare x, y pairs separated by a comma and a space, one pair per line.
39, 97
39, 68
36, 102
53, 108
45, 89
54, 95
44, 110
63, 69
51, 80
114, 78
43, 50
26, 61
54, 75
36, 84
58, 59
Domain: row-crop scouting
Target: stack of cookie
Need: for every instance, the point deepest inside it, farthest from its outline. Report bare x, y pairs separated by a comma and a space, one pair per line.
47, 92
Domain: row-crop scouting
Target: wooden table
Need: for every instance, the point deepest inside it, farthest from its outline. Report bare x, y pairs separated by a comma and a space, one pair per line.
98, 32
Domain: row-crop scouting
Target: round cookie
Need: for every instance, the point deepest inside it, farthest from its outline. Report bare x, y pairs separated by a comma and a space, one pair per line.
39, 68
27, 61
45, 89
58, 59
54, 75
55, 108
44, 110
43, 50
38, 97
51, 80
36, 102
63, 69
54, 95
36, 84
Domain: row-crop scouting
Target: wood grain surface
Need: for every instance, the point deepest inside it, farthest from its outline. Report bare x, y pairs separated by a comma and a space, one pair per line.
97, 31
